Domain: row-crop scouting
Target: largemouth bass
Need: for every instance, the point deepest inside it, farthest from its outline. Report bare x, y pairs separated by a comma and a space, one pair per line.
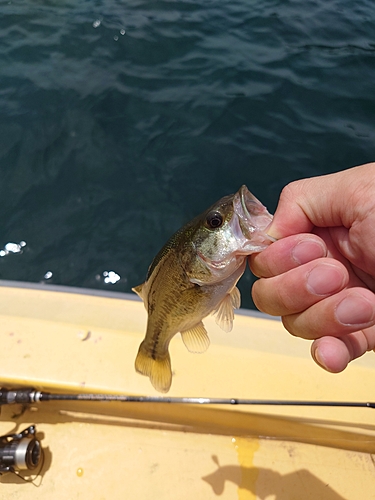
195, 274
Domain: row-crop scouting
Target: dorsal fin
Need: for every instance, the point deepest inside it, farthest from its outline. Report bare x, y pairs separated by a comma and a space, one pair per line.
196, 339
139, 291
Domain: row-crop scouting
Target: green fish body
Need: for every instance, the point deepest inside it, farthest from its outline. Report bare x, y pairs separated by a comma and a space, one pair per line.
195, 274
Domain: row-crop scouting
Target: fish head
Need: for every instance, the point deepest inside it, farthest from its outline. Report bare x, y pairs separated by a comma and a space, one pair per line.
231, 229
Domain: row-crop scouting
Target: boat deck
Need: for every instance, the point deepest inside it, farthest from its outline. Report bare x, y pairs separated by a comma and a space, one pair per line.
67, 340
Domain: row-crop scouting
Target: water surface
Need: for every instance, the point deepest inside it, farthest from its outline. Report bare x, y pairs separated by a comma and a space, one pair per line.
119, 121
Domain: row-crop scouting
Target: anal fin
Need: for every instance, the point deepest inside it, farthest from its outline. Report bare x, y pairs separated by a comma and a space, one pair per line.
158, 370
196, 339
224, 312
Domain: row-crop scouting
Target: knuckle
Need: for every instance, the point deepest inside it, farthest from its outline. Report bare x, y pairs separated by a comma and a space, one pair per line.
269, 298
255, 264
293, 323
258, 297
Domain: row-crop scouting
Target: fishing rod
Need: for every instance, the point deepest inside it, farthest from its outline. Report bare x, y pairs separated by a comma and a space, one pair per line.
22, 453
32, 396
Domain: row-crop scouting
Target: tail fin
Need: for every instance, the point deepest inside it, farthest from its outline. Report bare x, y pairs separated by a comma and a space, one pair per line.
158, 370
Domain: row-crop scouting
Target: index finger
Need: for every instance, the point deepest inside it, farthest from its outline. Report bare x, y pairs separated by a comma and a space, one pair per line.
286, 254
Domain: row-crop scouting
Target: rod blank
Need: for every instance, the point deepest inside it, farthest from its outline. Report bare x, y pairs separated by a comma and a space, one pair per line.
31, 396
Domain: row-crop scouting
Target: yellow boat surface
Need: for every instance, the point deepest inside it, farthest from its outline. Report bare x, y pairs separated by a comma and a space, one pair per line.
72, 340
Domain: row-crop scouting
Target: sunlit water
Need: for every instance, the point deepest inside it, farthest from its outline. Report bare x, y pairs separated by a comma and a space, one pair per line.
119, 121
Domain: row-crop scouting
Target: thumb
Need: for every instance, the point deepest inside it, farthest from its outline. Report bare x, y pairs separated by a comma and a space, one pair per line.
325, 201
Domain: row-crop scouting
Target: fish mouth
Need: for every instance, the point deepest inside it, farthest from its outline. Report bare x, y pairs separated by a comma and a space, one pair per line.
253, 217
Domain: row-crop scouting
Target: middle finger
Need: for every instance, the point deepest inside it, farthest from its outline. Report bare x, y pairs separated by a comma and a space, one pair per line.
296, 290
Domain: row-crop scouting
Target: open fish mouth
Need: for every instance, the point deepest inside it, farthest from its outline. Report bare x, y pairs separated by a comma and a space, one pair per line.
253, 217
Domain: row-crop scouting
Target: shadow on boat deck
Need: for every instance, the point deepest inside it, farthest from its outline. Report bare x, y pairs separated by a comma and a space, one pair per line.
264, 483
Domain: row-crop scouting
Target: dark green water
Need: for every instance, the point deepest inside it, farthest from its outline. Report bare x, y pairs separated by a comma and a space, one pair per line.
119, 121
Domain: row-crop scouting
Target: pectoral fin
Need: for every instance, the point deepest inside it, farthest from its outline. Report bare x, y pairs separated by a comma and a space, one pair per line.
224, 312
158, 370
196, 339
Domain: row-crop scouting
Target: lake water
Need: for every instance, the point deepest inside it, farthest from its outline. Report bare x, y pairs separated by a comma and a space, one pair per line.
120, 121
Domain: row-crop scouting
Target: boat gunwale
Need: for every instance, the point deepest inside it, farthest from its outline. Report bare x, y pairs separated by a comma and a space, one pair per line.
109, 294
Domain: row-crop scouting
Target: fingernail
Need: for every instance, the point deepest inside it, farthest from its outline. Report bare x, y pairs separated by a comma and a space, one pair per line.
355, 310
308, 250
325, 279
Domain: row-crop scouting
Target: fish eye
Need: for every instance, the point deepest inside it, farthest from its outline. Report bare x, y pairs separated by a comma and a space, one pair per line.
214, 220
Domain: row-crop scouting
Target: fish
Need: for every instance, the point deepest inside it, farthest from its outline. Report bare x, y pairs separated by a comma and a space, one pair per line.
194, 275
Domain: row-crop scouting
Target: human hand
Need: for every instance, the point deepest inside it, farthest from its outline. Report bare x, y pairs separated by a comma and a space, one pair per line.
320, 274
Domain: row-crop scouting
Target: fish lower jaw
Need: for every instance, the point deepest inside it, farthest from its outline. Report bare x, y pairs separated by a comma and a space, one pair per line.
257, 243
